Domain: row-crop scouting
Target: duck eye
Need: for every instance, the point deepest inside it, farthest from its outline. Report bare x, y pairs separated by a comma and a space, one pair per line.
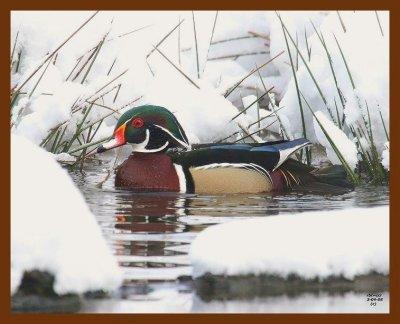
137, 122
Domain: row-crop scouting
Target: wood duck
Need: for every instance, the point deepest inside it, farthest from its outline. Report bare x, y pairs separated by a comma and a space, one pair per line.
163, 160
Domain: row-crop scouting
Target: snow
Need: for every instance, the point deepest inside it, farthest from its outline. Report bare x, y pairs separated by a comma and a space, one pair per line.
367, 59
311, 244
204, 113
52, 229
345, 146
65, 158
386, 156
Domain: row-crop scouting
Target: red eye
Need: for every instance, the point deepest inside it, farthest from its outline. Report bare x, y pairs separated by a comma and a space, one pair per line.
137, 122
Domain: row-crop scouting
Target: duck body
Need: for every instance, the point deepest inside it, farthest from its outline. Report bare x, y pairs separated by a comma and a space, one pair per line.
217, 169
163, 160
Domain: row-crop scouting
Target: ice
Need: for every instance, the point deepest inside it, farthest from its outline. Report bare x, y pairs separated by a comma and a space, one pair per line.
52, 229
311, 244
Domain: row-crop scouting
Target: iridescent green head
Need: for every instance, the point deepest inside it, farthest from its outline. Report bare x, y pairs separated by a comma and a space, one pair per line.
149, 129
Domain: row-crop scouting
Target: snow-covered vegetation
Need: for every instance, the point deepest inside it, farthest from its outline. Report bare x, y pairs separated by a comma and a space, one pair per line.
52, 229
73, 73
310, 245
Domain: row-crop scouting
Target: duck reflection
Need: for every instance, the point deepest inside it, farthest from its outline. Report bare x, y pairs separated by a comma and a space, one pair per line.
156, 219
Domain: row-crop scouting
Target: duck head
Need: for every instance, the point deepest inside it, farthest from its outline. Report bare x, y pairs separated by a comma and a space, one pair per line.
148, 129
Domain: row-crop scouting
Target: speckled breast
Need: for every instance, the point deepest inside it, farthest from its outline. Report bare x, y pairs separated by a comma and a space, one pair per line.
148, 172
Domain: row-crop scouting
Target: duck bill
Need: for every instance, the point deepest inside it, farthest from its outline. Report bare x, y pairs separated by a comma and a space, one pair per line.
117, 140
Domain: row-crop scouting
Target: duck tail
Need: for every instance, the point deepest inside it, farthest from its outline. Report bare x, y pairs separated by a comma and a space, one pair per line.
331, 180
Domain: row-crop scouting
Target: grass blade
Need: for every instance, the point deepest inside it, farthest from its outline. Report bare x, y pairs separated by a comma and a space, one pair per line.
303, 124
379, 22
345, 62
196, 47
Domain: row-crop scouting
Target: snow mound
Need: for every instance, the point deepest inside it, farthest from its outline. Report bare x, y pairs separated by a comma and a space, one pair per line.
312, 244
52, 229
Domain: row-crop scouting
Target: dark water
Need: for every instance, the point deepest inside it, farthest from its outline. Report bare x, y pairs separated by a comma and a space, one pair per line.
150, 234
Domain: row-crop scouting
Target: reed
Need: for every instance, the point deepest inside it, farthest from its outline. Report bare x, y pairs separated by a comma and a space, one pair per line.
294, 72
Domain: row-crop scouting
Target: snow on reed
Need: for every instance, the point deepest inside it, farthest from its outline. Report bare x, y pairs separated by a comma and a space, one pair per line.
366, 52
311, 244
347, 147
52, 229
386, 156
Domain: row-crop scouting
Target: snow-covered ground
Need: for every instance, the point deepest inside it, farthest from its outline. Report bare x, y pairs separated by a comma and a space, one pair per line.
312, 244
52, 229
241, 41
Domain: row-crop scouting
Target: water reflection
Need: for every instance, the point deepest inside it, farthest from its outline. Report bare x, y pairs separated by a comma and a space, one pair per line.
151, 234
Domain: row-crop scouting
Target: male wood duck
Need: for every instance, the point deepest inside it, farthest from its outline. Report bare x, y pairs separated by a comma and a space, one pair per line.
163, 160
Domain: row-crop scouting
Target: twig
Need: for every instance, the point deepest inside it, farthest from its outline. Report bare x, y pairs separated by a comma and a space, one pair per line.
250, 73
164, 38
177, 68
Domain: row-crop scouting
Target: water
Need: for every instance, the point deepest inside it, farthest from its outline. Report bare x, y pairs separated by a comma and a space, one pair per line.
150, 234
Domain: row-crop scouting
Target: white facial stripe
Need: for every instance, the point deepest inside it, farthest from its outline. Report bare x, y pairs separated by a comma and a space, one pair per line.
141, 147
181, 178
174, 137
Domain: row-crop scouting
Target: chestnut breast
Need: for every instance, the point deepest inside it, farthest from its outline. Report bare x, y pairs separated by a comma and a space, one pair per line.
148, 172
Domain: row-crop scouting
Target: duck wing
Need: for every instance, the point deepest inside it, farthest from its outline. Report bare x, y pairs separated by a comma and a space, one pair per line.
268, 155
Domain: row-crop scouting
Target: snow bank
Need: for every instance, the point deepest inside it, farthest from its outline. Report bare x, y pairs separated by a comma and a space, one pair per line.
312, 244
52, 228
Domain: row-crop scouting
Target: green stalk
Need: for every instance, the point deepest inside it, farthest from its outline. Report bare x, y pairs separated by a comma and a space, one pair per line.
40, 78
195, 43
341, 21
88, 145
94, 58
379, 22
55, 140
322, 40
304, 61
307, 45
79, 127
13, 48
345, 62
211, 39
297, 90
384, 126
